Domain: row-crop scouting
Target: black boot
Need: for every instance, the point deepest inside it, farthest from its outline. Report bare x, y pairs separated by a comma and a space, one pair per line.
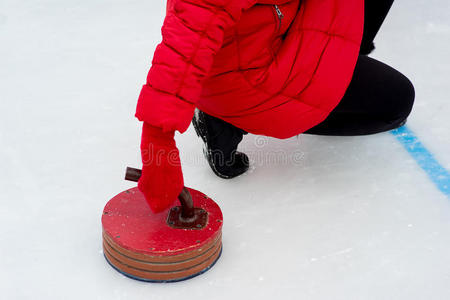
367, 48
221, 140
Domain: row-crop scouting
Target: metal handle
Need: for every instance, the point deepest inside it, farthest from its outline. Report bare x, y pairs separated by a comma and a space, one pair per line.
133, 174
185, 198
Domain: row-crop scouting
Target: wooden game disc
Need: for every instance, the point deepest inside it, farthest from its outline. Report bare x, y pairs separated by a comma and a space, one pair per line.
143, 245
148, 264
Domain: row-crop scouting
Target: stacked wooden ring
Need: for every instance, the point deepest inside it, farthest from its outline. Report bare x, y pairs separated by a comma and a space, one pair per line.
160, 247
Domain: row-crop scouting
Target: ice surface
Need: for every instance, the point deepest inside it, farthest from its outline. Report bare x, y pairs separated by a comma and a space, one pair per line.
316, 218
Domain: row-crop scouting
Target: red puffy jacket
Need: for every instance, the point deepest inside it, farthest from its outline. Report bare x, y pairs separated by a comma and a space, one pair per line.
270, 67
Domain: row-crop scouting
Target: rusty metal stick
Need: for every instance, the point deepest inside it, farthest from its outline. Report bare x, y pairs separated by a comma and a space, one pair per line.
133, 174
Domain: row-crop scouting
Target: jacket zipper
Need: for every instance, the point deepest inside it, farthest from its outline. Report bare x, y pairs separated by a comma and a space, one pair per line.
279, 15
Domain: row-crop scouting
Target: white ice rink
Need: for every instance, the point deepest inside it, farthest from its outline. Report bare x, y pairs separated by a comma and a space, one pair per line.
315, 218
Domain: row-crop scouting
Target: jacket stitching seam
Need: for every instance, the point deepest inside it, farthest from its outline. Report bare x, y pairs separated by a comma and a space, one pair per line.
194, 54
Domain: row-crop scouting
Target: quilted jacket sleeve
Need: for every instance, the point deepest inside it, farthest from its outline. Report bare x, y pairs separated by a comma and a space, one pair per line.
192, 33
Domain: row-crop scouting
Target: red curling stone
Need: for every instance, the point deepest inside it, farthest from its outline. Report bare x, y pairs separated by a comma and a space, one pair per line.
160, 247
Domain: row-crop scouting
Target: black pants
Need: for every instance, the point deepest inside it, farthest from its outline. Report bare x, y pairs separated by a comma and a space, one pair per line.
379, 98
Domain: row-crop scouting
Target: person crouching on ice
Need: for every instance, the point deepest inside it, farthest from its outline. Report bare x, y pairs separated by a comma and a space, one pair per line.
269, 67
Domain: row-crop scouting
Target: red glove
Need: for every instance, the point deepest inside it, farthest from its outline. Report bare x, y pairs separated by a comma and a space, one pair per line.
162, 179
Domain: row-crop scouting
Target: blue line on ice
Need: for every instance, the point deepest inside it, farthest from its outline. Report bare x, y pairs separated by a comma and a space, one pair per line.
437, 173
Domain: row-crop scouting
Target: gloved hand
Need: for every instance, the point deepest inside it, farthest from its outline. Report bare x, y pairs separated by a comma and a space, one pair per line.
162, 179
